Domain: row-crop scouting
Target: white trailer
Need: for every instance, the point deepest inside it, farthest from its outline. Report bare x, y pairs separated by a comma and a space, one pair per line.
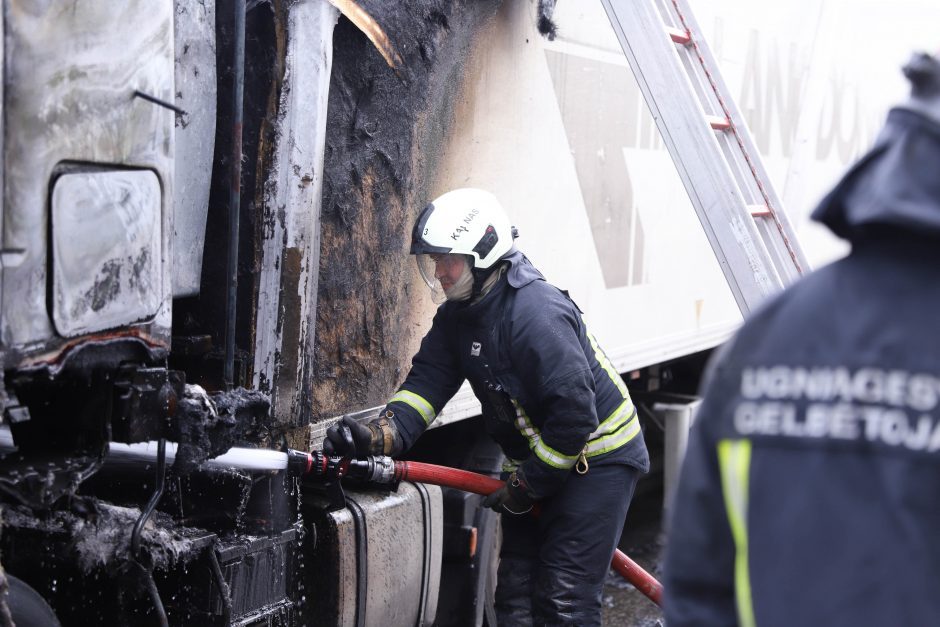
559, 131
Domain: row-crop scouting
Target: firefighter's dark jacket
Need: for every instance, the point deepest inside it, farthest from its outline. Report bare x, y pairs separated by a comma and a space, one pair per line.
810, 492
547, 390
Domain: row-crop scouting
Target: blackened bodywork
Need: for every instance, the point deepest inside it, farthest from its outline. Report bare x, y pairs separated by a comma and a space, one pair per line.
384, 136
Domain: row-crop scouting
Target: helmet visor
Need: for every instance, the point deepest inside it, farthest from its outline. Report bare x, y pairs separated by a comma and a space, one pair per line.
427, 267
443, 273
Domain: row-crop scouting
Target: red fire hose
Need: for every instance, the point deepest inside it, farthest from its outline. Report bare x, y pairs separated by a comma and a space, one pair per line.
481, 484
385, 470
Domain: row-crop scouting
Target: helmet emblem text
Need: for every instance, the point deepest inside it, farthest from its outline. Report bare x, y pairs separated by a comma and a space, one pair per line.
466, 220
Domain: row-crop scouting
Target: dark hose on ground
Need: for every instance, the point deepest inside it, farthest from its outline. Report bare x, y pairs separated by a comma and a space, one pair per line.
149, 583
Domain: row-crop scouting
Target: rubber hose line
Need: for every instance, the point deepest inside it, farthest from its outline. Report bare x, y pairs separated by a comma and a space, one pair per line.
481, 484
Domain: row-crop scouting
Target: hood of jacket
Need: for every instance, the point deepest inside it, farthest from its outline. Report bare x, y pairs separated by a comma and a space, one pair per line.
894, 188
521, 271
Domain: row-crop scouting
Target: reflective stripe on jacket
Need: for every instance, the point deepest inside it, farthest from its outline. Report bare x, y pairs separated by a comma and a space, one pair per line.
548, 391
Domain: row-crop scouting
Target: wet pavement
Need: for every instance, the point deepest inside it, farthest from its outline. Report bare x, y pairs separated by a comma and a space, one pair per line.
642, 541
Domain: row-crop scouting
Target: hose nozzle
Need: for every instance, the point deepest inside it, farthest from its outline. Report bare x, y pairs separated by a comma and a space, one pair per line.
378, 469
298, 463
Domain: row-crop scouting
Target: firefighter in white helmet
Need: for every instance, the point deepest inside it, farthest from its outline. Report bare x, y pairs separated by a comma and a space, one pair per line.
550, 398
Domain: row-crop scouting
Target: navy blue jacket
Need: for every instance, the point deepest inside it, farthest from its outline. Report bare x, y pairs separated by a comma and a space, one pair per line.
810, 492
547, 390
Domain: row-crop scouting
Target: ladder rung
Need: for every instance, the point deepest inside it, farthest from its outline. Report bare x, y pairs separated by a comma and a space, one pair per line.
718, 123
681, 82
679, 36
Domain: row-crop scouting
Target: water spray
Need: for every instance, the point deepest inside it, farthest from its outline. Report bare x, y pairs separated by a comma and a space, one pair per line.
257, 459
379, 470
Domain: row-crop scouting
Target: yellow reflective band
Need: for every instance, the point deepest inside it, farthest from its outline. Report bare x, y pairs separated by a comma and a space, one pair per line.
543, 451
524, 424
616, 430
734, 461
552, 457
617, 418
417, 403
615, 440
607, 366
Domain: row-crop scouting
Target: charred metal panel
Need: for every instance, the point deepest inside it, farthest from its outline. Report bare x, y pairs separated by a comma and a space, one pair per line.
260, 574
384, 137
145, 402
206, 315
289, 239
75, 92
106, 244
195, 139
79, 562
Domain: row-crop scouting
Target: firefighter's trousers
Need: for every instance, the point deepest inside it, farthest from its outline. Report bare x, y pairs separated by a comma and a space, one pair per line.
552, 567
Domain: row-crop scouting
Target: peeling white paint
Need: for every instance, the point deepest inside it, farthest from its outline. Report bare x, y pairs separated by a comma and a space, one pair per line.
292, 207
195, 93
71, 106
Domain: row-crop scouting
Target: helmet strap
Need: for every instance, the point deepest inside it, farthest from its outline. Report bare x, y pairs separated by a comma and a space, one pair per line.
479, 277
484, 279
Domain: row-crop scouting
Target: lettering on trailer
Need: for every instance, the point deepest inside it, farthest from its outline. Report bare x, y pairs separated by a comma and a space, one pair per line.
894, 408
773, 88
772, 98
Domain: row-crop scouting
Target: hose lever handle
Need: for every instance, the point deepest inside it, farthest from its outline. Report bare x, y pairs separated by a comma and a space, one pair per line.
335, 495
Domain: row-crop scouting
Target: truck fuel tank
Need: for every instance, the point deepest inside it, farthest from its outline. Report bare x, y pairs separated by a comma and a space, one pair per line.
376, 562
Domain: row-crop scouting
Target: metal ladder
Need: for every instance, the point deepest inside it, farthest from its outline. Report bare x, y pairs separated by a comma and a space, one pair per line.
711, 146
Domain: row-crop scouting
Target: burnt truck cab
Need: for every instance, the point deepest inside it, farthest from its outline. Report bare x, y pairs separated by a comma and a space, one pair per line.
121, 127
87, 215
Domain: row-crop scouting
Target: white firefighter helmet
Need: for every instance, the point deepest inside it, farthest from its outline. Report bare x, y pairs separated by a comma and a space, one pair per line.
468, 222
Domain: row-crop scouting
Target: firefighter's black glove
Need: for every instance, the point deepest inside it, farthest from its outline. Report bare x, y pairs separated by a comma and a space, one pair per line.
513, 498
348, 438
